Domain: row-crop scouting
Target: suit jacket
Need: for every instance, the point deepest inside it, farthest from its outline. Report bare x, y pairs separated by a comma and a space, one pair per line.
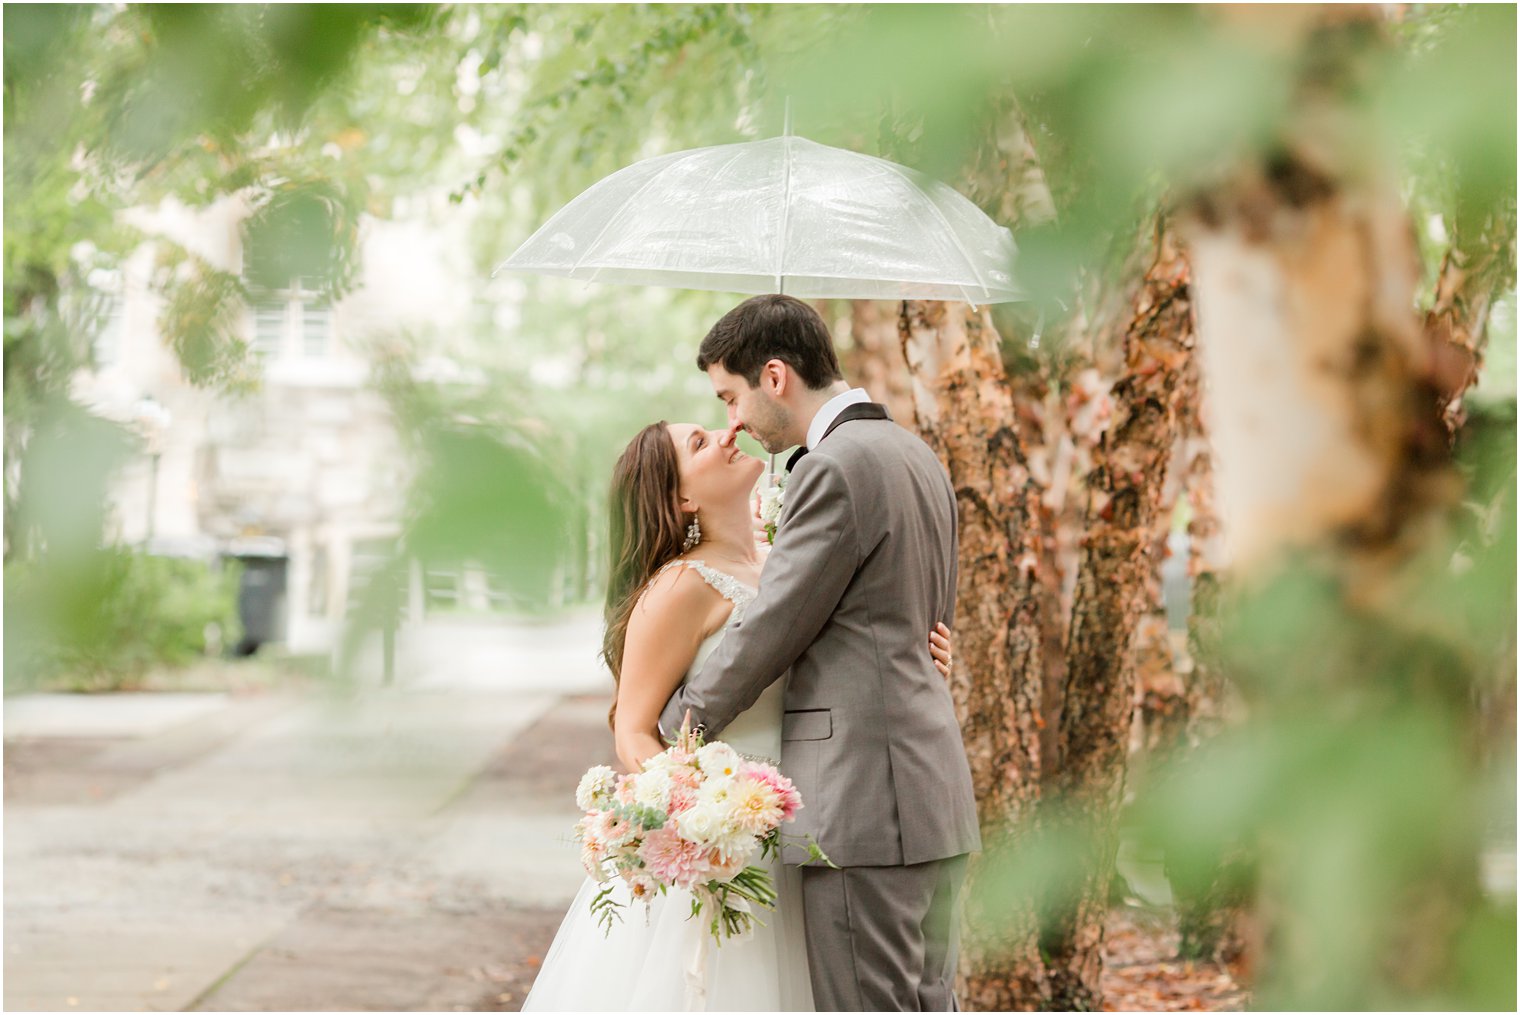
863, 566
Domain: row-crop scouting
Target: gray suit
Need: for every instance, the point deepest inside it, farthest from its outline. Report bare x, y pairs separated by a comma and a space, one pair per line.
863, 566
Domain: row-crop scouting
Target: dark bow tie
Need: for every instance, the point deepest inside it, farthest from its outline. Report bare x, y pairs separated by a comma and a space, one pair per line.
791, 463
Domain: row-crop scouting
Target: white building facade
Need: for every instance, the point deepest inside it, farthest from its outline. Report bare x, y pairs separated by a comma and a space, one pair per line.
302, 478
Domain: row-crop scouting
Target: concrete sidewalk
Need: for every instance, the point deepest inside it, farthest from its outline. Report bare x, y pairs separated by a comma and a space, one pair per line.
399, 850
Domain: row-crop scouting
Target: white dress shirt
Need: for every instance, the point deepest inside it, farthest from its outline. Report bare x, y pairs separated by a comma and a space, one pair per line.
830, 412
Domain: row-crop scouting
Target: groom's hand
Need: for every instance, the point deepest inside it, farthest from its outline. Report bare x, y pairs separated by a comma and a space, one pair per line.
758, 524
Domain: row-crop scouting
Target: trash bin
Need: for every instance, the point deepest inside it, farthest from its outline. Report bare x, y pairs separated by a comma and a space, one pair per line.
261, 602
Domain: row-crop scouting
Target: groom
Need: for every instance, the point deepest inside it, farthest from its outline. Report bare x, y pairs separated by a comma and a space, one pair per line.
864, 563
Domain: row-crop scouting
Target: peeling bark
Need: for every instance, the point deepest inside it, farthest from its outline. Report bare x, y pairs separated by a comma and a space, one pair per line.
1161, 705
874, 358
1327, 431
1333, 437
1217, 922
1124, 494
1042, 422
1456, 325
1332, 454
964, 410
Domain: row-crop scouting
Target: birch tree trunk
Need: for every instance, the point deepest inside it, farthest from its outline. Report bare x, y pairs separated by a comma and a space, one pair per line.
1344, 361
1080, 413
1472, 275
1124, 494
1332, 452
1077, 410
964, 410
1474, 272
1213, 920
874, 359
1161, 704
1042, 420
1361, 471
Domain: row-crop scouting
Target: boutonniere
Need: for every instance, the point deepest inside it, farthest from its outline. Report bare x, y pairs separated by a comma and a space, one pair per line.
772, 498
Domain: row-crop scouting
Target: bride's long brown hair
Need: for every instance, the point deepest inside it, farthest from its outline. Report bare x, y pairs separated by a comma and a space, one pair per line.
648, 531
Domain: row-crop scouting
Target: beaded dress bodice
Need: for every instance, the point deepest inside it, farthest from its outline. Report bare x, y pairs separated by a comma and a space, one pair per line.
757, 730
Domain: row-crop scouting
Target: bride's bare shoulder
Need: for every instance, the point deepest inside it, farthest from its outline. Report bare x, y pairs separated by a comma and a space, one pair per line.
678, 595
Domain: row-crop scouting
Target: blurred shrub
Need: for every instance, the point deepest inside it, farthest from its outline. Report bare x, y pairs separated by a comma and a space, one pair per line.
113, 621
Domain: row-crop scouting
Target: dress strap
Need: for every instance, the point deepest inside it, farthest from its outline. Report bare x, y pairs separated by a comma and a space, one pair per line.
729, 587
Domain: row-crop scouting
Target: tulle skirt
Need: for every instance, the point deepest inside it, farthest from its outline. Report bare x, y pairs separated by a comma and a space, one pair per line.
663, 963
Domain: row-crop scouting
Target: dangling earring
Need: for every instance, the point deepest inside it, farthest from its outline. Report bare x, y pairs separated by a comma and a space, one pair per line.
693, 535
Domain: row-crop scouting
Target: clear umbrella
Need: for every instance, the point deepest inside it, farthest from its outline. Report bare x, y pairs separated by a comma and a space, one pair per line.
783, 215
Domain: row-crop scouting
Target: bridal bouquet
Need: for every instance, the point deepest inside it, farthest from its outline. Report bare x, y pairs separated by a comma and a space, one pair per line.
696, 817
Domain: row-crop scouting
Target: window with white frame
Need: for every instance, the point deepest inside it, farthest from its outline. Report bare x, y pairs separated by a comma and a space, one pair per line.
316, 330
295, 322
268, 329
110, 325
112, 334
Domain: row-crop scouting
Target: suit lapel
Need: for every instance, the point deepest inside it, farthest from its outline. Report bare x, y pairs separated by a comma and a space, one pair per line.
859, 410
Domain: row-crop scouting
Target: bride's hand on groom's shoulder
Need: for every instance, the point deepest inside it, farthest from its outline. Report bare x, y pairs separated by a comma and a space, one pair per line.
939, 648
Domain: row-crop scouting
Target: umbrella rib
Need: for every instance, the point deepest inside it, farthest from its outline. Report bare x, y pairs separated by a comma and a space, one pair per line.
541, 230
786, 198
613, 218
950, 230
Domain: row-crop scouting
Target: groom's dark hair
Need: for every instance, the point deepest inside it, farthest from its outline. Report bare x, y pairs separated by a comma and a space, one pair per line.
764, 328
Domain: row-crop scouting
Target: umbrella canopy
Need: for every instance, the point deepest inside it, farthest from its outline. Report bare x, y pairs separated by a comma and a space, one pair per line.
783, 215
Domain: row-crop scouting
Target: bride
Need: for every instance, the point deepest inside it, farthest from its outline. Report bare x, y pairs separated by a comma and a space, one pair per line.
685, 565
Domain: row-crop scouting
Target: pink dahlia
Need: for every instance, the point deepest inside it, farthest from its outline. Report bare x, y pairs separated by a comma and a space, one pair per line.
789, 800
758, 806
681, 799
611, 829
674, 860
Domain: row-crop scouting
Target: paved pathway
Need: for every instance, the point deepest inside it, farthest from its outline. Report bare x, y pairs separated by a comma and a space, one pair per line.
395, 850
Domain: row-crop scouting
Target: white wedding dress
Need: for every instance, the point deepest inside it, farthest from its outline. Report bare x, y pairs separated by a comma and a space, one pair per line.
667, 961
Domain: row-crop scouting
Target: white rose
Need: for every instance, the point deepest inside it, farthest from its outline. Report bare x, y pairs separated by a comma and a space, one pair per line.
772, 499
702, 823
595, 789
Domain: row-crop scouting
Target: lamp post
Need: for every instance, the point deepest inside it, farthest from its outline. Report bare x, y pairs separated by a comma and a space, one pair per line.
152, 421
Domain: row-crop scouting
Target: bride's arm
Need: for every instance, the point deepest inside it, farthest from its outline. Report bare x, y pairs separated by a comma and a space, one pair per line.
664, 632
